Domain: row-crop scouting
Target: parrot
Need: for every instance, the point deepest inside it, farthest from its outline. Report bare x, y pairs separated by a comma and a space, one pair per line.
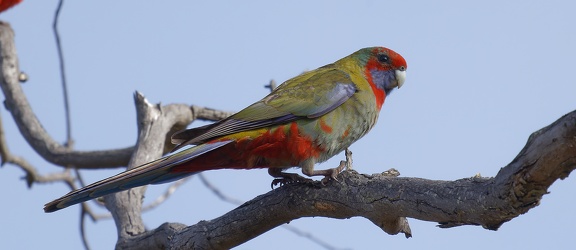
304, 121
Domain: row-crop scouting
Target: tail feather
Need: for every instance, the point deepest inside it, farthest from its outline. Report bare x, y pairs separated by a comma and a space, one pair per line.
154, 172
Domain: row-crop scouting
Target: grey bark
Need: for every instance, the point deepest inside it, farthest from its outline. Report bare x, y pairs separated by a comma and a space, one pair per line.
549, 155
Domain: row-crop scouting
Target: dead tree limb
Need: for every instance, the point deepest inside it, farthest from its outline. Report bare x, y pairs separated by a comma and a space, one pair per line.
549, 155
35, 134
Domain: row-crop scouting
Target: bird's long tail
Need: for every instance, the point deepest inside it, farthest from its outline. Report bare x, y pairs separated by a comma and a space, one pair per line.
154, 172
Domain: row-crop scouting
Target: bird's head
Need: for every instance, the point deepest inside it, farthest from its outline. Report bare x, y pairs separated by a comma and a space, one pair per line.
384, 69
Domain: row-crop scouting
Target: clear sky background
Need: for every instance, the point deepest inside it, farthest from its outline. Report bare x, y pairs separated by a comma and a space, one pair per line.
482, 76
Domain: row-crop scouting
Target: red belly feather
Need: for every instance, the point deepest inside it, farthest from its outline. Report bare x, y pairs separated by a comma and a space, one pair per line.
280, 148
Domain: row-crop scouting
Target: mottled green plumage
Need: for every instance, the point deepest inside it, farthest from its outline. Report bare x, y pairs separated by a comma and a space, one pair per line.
331, 107
306, 120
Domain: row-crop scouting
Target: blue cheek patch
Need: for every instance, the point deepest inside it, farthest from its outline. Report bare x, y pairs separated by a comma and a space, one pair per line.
385, 80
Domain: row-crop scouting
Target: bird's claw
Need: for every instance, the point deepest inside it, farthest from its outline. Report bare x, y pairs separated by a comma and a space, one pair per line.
332, 175
288, 179
279, 181
326, 179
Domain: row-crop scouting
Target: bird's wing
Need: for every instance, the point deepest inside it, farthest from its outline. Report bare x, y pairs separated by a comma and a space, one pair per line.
309, 95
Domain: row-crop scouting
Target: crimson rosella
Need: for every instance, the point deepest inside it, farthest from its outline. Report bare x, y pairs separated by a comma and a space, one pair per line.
306, 120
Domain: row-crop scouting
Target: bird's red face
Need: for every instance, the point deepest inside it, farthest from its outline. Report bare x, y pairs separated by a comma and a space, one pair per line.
385, 70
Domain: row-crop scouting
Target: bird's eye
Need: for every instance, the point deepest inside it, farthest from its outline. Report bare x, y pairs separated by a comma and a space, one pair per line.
383, 58
402, 68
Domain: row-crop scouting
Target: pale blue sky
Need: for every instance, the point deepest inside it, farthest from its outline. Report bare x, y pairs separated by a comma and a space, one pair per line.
481, 77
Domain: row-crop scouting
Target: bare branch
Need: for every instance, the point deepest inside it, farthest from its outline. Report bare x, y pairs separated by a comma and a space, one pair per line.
548, 155
52, 151
153, 123
288, 227
32, 175
29, 125
208, 114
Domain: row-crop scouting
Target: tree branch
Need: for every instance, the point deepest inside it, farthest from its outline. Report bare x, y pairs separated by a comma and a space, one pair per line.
29, 125
548, 155
32, 130
153, 123
288, 227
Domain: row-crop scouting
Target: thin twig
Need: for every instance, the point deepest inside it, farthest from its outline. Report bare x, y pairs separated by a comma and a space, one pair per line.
85, 210
31, 128
169, 191
83, 216
32, 175
217, 191
272, 85
83, 213
79, 177
69, 140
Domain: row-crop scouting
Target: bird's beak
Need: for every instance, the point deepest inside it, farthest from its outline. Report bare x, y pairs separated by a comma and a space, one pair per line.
400, 77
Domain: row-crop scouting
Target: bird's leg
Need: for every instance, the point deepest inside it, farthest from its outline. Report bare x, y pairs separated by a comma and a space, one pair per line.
331, 173
282, 178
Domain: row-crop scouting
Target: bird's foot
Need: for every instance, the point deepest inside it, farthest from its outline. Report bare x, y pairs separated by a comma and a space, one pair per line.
287, 180
282, 178
332, 174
